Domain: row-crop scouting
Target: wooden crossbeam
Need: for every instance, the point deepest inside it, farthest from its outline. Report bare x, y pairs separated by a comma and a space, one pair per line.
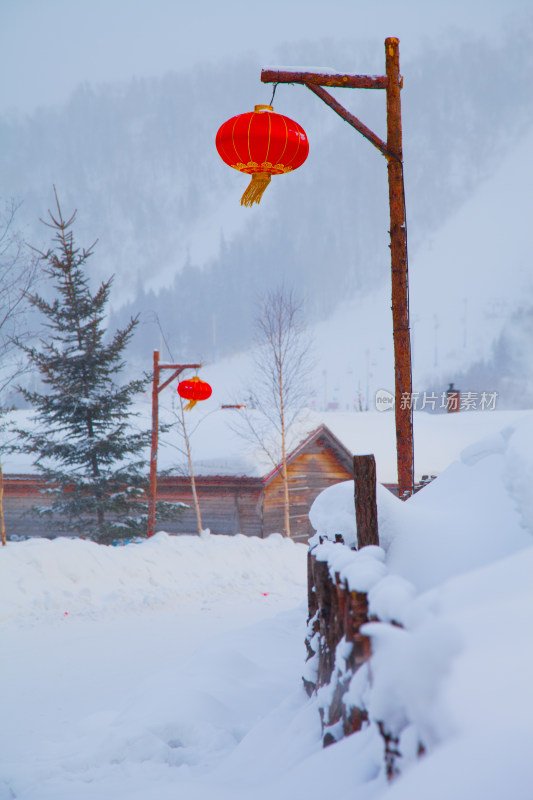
325, 79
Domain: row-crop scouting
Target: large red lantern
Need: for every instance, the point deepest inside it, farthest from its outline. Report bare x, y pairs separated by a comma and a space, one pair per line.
261, 143
194, 390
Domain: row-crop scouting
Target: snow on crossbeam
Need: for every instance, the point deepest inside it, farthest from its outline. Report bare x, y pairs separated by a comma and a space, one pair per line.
322, 78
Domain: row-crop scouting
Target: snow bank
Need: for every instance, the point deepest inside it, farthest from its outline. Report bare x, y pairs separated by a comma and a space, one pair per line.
122, 699
457, 679
479, 510
333, 512
41, 578
454, 571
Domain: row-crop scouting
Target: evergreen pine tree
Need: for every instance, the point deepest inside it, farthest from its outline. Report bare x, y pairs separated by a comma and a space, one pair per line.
84, 443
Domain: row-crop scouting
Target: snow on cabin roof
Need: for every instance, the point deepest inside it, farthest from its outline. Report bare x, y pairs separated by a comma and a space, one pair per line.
439, 440
218, 450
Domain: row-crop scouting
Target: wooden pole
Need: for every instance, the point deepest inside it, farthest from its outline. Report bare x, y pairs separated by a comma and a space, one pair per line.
400, 288
392, 150
153, 452
366, 510
349, 117
177, 369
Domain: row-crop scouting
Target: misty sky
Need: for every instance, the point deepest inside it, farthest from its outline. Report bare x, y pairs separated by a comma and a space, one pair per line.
48, 47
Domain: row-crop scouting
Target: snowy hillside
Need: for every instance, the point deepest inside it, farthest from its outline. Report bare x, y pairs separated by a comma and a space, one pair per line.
452, 648
172, 668
138, 162
466, 285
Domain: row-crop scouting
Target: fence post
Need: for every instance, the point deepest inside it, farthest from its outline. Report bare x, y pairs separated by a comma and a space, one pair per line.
366, 511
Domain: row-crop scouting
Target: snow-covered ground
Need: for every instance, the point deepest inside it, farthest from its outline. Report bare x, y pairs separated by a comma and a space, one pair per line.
137, 672
454, 571
172, 668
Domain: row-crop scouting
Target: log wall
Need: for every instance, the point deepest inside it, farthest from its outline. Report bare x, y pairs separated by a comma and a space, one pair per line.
312, 471
21, 492
229, 505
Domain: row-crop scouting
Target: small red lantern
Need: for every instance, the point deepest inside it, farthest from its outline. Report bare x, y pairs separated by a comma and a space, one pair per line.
261, 143
194, 390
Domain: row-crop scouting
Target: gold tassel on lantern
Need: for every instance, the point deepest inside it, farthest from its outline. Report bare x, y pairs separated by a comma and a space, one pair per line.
255, 189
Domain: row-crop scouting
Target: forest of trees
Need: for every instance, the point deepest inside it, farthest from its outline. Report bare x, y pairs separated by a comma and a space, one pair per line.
139, 160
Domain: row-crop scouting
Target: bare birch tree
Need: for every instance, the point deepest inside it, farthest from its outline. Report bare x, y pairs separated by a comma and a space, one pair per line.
18, 271
282, 360
186, 433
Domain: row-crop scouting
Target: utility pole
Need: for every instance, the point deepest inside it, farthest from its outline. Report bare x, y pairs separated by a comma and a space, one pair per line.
156, 389
391, 82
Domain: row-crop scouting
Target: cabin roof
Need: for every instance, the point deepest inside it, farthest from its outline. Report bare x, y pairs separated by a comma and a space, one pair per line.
322, 432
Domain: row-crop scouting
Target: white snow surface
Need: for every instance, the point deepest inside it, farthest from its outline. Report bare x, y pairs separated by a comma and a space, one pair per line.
171, 668
454, 572
218, 449
84, 580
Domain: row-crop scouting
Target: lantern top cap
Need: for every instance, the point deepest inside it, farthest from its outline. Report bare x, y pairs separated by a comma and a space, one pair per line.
260, 109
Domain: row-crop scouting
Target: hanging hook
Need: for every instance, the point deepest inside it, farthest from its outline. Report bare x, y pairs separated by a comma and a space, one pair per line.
274, 92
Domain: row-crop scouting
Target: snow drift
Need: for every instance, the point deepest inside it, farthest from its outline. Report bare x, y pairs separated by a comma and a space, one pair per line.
452, 652
174, 673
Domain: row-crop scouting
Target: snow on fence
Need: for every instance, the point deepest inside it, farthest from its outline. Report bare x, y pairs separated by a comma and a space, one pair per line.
337, 667
339, 579
336, 615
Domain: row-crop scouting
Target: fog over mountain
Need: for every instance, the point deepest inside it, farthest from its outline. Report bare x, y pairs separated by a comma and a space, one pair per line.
138, 162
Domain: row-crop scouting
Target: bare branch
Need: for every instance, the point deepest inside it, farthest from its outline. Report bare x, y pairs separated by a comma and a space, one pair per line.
18, 273
282, 360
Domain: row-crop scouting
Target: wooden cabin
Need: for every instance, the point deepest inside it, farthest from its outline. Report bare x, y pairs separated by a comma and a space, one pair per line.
254, 505
229, 504
318, 462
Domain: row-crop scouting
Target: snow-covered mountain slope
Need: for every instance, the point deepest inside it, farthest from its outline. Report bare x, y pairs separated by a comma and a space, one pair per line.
138, 162
467, 280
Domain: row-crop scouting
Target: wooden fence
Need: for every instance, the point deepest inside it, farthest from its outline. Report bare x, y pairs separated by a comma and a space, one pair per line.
335, 645
335, 614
